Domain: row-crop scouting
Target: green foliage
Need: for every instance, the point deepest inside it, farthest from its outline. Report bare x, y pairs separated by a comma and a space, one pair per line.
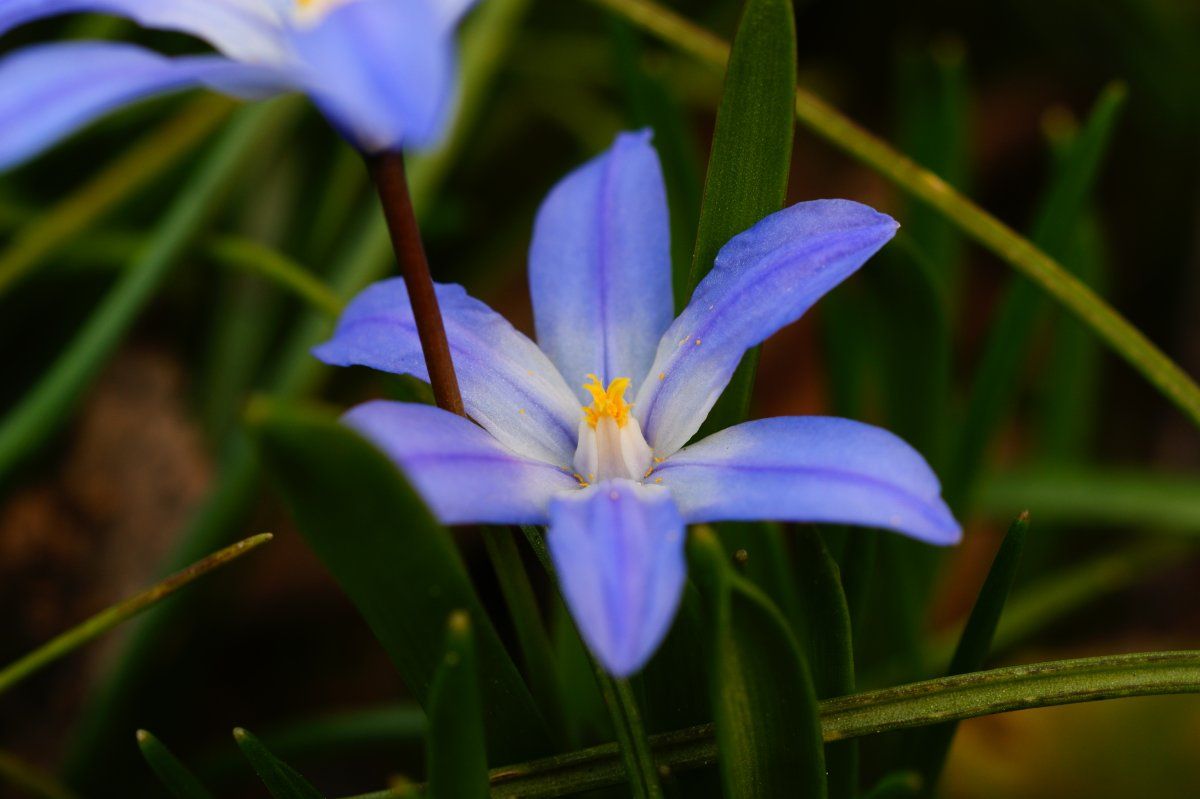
457, 751
174, 776
768, 735
975, 644
283, 781
750, 158
399, 566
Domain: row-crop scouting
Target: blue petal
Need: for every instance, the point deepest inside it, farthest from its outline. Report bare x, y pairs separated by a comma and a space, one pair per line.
450, 12
810, 469
381, 70
464, 474
508, 385
49, 91
600, 265
247, 30
618, 551
763, 279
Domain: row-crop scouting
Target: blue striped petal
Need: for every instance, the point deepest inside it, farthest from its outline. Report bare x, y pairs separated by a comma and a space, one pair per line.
508, 385
618, 550
246, 30
810, 469
600, 266
52, 90
462, 472
763, 279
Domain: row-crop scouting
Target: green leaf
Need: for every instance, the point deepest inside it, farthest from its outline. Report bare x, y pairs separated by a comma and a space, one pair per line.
932, 101
457, 751
283, 781
175, 777
975, 644
750, 157
997, 378
44, 408
901, 707
768, 734
898, 785
826, 637
146, 160
399, 566
115, 615
537, 653
652, 102
1087, 496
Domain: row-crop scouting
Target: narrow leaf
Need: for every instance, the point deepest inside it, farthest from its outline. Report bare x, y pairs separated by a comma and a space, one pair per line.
997, 379
47, 404
537, 653
828, 642
457, 752
399, 566
109, 618
175, 777
983, 693
750, 157
283, 781
975, 644
768, 735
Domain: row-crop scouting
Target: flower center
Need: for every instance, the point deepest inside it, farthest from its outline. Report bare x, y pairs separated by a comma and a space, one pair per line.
611, 444
607, 401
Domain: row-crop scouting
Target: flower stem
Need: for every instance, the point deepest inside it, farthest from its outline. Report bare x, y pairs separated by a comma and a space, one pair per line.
387, 171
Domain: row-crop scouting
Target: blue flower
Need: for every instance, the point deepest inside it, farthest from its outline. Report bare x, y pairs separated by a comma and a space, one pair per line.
556, 439
381, 70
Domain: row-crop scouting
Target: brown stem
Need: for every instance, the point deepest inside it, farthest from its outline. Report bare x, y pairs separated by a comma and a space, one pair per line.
387, 171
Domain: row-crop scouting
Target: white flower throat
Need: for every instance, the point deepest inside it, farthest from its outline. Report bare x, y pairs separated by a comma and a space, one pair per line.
611, 444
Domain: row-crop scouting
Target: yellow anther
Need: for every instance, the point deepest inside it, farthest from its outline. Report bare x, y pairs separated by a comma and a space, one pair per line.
607, 401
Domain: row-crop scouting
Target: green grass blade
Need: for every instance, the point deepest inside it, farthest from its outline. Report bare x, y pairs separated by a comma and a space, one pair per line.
174, 776
33, 783
1052, 598
750, 157
457, 751
395, 562
537, 653
111, 617
43, 408
898, 785
768, 736
997, 378
258, 259
282, 781
974, 646
1069, 414
1163, 502
632, 741
131, 171
828, 641
827, 122
902, 707
651, 102
933, 104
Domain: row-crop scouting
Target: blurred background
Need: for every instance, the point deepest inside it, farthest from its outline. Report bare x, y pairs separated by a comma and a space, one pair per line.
1076, 123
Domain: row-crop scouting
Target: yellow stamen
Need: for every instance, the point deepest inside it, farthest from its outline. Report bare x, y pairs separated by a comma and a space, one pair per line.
607, 401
